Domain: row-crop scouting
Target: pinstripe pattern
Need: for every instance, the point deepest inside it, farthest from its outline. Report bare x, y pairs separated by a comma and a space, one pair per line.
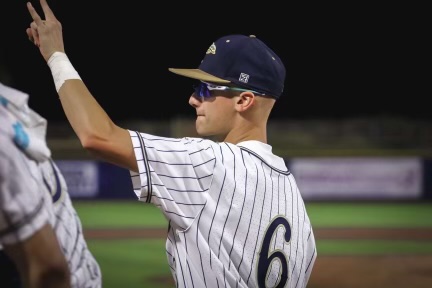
85, 271
226, 203
22, 209
34, 192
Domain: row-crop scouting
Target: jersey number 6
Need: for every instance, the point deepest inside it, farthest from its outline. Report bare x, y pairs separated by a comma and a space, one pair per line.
265, 258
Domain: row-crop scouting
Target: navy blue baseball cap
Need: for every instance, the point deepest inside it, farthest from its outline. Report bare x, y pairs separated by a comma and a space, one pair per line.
243, 61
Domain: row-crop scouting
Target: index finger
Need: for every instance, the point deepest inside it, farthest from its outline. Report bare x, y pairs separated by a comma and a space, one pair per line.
33, 13
49, 15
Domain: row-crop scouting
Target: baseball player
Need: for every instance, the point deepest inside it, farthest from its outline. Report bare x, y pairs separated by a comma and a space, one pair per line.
30, 254
28, 162
236, 216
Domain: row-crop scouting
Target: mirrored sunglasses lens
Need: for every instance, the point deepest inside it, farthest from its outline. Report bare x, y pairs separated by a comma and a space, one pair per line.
197, 90
203, 90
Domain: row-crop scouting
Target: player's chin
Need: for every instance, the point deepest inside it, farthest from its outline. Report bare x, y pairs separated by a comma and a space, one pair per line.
202, 129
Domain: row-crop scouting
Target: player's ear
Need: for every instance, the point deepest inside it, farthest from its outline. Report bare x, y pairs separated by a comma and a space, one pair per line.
245, 101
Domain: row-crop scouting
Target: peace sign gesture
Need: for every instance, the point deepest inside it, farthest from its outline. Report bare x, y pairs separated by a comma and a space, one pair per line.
46, 34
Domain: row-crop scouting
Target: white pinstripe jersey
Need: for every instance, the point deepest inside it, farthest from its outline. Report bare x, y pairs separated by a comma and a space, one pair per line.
23, 211
29, 199
31, 183
85, 271
236, 216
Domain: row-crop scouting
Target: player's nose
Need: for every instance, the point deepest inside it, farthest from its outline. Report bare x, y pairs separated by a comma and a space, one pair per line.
194, 100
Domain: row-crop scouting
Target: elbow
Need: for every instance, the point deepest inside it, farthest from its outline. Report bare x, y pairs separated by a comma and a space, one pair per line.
114, 147
95, 146
97, 141
99, 148
90, 142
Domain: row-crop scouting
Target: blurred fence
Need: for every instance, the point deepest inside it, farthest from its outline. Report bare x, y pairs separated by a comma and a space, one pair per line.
379, 136
363, 159
332, 178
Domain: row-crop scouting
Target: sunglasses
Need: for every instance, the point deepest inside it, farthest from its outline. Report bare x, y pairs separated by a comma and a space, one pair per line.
203, 89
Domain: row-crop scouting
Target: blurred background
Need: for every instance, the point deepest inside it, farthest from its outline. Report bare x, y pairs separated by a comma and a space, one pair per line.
353, 124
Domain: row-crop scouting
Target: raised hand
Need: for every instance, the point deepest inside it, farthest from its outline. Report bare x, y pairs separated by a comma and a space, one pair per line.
46, 34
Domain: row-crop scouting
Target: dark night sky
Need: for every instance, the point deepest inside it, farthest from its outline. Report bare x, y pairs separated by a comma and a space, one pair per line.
341, 61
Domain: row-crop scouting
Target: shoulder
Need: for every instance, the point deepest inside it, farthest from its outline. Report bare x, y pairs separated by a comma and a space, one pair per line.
14, 163
9, 151
264, 152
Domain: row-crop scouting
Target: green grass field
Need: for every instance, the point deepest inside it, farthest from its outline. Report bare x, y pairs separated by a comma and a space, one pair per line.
137, 263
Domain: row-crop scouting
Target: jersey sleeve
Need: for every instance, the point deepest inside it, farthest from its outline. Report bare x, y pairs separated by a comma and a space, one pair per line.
22, 208
174, 174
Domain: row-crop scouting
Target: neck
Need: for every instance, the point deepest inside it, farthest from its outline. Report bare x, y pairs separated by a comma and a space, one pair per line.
245, 133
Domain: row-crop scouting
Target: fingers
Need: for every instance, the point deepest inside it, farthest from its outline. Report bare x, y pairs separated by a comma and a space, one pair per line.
31, 37
45, 34
33, 34
34, 30
29, 34
36, 18
49, 15
33, 26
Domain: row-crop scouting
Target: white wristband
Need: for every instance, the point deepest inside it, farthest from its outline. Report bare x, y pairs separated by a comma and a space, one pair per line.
61, 69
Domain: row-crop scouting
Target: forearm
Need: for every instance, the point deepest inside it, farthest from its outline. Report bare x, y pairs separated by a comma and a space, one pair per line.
97, 132
40, 260
50, 279
86, 116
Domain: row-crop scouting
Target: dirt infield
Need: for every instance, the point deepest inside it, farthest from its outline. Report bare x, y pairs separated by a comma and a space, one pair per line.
403, 271
376, 271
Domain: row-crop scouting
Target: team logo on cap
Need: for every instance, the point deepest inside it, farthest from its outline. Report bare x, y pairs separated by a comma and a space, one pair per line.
211, 49
244, 78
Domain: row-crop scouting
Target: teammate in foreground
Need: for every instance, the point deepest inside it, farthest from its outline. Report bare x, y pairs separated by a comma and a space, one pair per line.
32, 185
30, 254
236, 216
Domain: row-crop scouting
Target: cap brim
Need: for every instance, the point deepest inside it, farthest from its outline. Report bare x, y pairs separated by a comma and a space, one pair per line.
198, 74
